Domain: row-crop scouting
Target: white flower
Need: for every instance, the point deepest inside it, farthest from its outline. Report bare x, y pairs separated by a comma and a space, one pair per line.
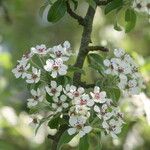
37, 96
39, 49
60, 103
84, 100
21, 70
34, 77
102, 112
59, 52
73, 92
112, 127
97, 96
56, 67
139, 5
80, 110
77, 123
66, 44
54, 90
119, 52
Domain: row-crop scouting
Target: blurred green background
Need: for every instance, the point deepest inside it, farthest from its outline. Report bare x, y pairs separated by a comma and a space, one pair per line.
21, 27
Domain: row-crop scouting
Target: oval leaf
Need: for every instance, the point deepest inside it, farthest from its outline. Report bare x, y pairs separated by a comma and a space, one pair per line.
130, 18
113, 5
57, 11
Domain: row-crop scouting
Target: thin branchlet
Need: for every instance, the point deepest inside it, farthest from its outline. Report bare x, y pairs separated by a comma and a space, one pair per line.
97, 48
80, 20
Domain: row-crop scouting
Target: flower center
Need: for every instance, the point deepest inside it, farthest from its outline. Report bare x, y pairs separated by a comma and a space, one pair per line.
41, 49
21, 69
55, 67
35, 98
76, 94
79, 126
83, 102
53, 90
34, 76
97, 96
58, 53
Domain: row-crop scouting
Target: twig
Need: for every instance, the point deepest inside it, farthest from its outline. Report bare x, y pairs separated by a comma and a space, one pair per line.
97, 48
104, 2
87, 86
74, 15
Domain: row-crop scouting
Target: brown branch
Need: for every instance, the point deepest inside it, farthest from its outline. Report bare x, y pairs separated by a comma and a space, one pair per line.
97, 48
101, 3
80, 20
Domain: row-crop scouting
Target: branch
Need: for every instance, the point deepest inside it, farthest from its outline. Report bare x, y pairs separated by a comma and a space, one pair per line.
74, 15
97, 48
87, 86
104, 2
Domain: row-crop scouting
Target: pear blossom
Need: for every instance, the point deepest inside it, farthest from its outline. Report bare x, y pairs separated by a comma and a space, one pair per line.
112, 127
60, 52
54, 90
37, 96
73, 92
66, 44
39, 49
139, 5
97, 96
77, 124
119, 52
56, 67
21, 70
84, 100
60, 103
102, 112
34, 77
80, 110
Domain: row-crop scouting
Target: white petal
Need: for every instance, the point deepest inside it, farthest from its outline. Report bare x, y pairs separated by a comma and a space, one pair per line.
72, 131
87, 129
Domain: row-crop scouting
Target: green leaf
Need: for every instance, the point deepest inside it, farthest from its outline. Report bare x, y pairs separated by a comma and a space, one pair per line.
113, 92
130, 18
75, 2
113, 5
84, 143
54, 122
91, 3
96, 62
64, 139
64, 80
49, 98
57, 11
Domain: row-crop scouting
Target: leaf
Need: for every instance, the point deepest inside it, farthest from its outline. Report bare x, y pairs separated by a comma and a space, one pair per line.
96, 62
64, 139
113, 5
84, 143
75, 2
57, 11
49, 98
64, 80
114, 93
130, 18
54, 122
91, 3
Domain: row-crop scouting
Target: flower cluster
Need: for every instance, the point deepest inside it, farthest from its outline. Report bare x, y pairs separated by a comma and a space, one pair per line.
125, 68
76, 105
142, 6
52, 60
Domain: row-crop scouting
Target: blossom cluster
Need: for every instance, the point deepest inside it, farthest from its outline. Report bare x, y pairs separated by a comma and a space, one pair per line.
42, 67
142, 6
54, 63
126, 69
